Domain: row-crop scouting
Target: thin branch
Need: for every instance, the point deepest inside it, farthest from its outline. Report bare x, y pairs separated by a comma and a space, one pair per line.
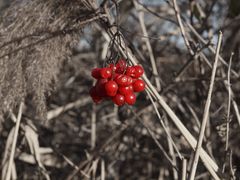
10, 163
231, 167
179, 19
206, 112
228, 86
210, 47
93, 127
229, 101
184, 169
235, 106
164, 126
56, 112
193, 30
97, 151
208, 161
154, 138
171, 152
149, 47
103, 170
49, 35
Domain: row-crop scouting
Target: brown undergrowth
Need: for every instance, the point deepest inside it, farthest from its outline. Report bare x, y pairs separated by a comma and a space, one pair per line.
35, 37
150, 140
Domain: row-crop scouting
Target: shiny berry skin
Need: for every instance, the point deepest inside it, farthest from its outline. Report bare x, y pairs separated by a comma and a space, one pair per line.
129, 80
130, 98
106, 73
96, 73
112, 67
130, 71
121, 66
119, 99
111, 88
95, 97
124, 90
138, 71
116, 75
117, 82
100, 87
138, 85
122, 80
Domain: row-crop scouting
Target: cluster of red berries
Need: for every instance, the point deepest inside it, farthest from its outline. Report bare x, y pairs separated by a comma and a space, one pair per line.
117, 82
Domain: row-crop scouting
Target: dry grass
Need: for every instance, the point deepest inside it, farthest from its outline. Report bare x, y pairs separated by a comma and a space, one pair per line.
156, 138
35, 38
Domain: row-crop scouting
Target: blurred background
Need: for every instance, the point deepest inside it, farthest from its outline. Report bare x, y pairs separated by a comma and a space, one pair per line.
82, 140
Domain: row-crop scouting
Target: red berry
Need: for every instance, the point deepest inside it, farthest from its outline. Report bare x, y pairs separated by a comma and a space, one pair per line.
138, 71
95, 97
122, 80
100, 87
121, 66
96, 73
138, 85
130, 98
112, 67
130, 71
134, 79
93, 91
129, 80
124, 90
106, 73
116, 75
131, 87
119, 99
111, 88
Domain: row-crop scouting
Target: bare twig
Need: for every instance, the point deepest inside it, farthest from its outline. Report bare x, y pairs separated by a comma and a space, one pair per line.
107, 142
179, 19
103, 169
171, 152
206, 112
7, 149
149, 47
208, 161
56, 112
195, 117
93, 127
32, 139
11, 158
231, 167
229, 89
229, 101
210, 47
184, 169
164, 126
228, 86
193, 30
235, 106
49, 36
155, 139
